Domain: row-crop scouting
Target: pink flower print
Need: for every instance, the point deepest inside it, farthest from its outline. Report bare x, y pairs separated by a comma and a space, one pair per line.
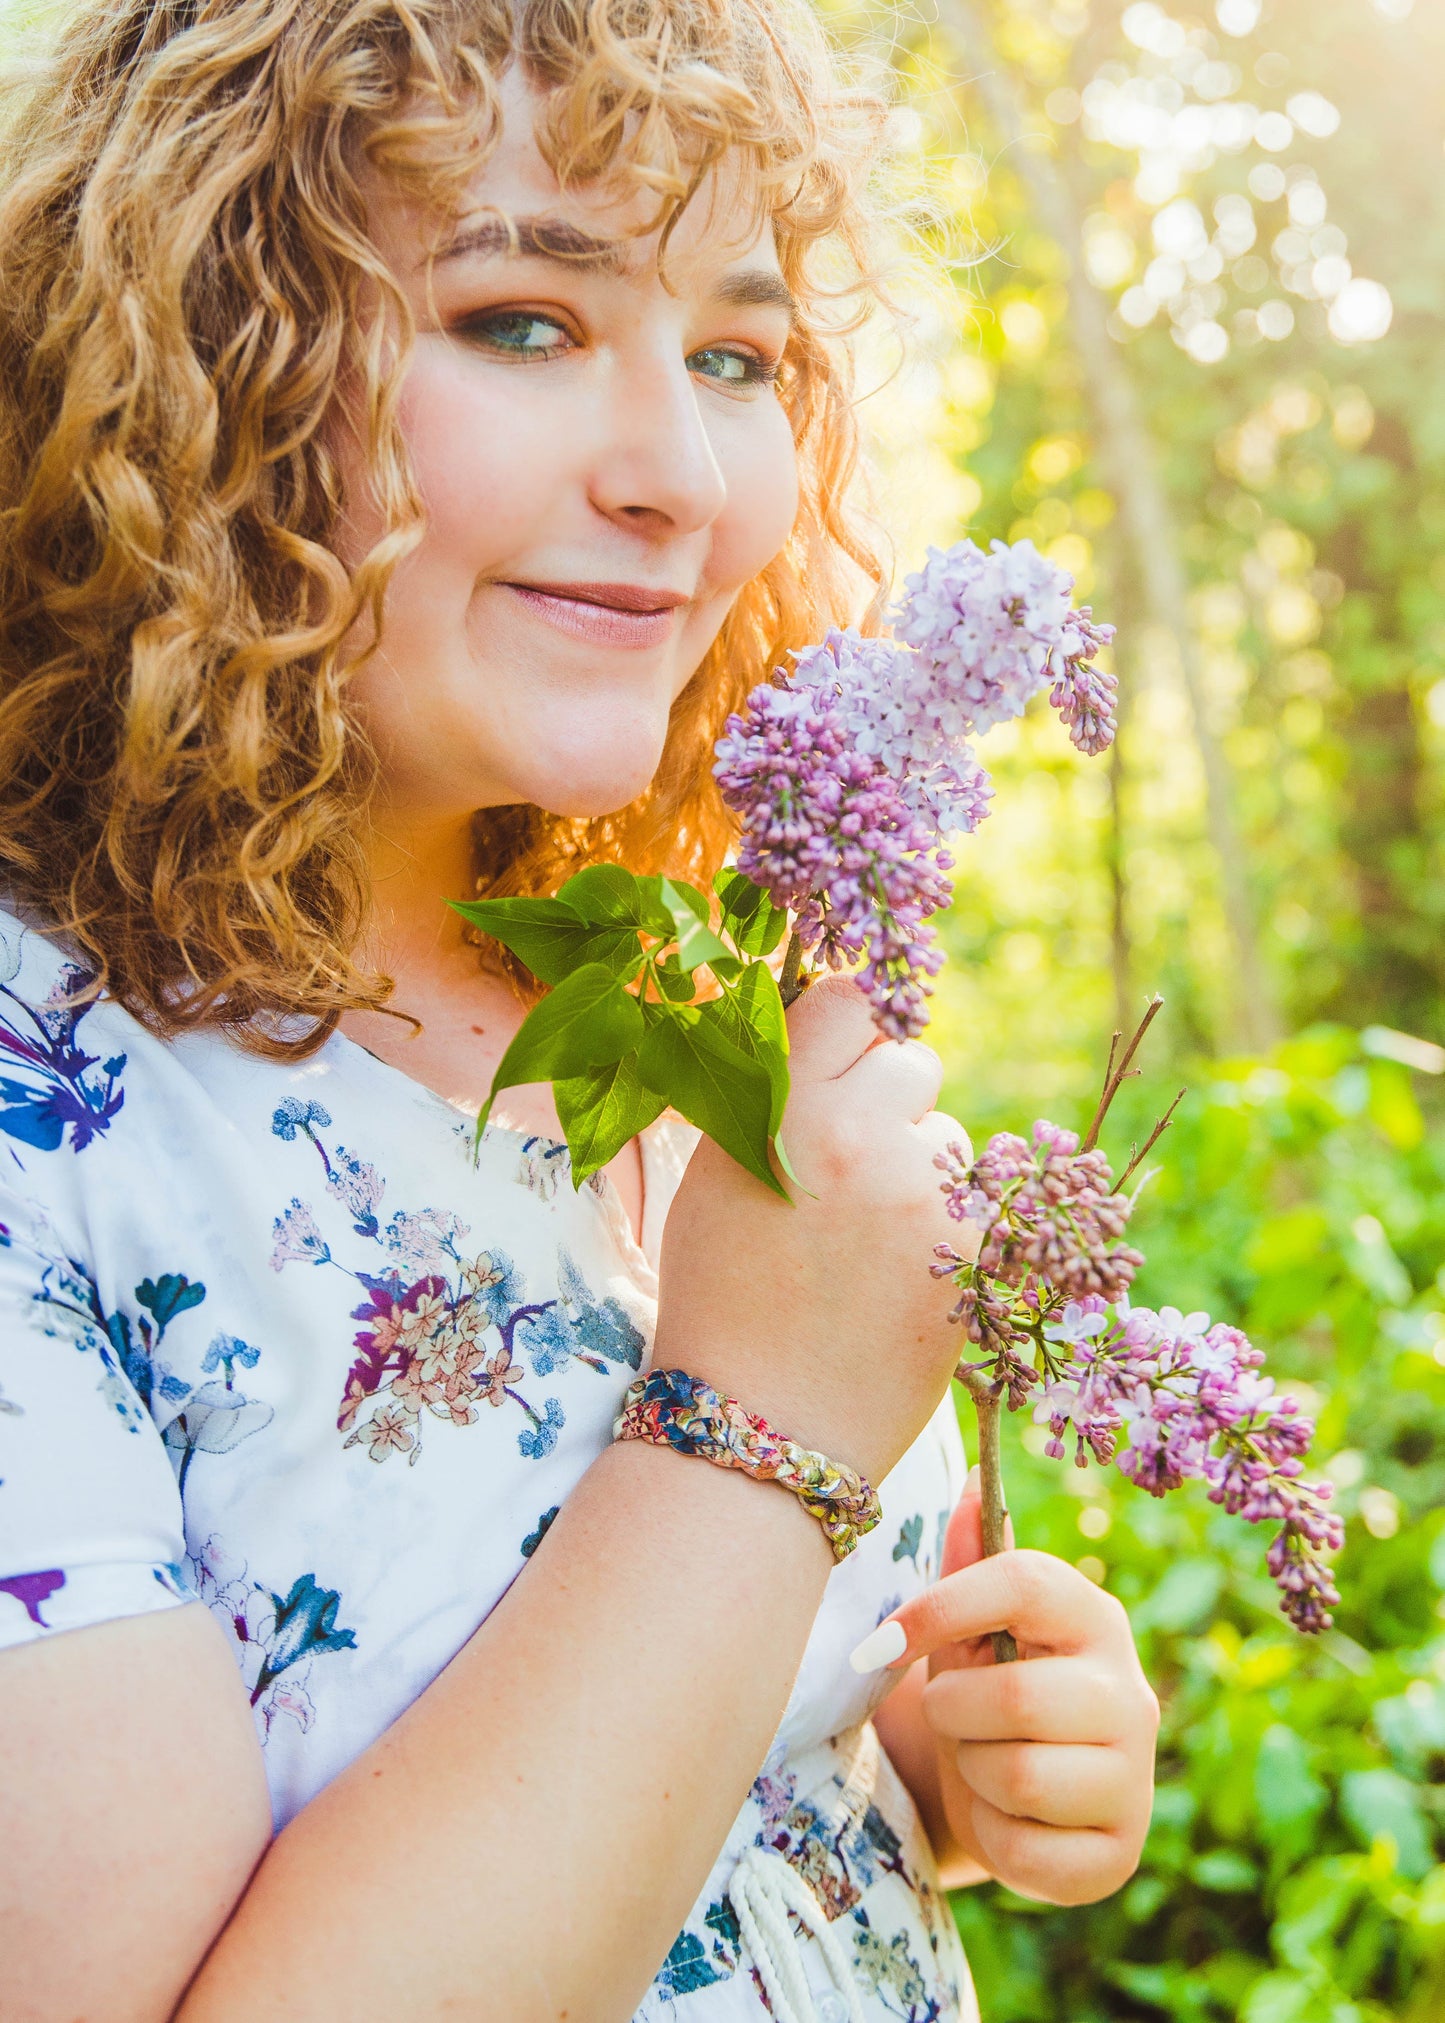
358, 1187
388, 1430
499, 1372
296, 1238
354, 1397
422, 1320
425, 1242
287, 1696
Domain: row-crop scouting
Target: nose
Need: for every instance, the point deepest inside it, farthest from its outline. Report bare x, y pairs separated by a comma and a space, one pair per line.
657, 473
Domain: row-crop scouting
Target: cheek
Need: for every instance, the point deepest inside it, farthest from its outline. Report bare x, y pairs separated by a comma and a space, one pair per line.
486, 463
760, 466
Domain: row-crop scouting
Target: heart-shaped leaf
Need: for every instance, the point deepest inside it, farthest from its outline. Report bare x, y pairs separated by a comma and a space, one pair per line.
552, 938
749, 914
689, 1060
696, 942
601, 1111
587, 1021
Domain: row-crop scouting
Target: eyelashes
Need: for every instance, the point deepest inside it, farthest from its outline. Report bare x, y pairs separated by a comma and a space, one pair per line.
530, 336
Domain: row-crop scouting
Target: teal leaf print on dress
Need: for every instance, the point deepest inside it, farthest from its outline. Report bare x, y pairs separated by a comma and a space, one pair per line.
909, 1538
173, 1293
51, 1089
687, 1967
304, 1628
278, 1639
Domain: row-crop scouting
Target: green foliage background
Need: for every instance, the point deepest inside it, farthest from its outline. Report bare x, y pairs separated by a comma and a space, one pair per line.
1295, 1872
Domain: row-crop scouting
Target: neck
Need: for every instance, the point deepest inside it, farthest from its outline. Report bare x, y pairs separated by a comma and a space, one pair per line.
416, 868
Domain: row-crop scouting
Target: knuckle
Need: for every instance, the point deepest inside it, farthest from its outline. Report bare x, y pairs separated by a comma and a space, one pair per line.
1028, 1778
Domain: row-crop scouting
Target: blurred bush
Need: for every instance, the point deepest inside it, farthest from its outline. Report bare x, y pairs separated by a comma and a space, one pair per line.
1295, 1870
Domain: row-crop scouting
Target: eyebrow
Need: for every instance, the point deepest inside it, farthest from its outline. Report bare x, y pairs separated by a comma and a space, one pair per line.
548, 238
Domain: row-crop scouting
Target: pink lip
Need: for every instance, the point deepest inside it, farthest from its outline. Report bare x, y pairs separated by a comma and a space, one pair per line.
607, 614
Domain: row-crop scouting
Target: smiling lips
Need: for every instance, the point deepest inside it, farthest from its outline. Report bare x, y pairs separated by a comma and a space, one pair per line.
606, 614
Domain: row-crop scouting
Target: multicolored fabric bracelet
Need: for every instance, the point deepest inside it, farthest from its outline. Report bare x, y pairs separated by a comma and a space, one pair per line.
673, 1409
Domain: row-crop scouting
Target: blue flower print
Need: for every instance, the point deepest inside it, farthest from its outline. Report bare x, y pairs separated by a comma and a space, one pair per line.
295, 1236
52, 1090
354, 1183
603, 1326
293, 1115
909, 1537
543, 1435
278, 1638
224, 1354
544, 1525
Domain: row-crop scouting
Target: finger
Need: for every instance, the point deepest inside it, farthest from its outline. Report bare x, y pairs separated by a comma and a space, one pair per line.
1058, 1865
1035, 1700
902, 1077
1048, 1604
829, 1028
1059, 1784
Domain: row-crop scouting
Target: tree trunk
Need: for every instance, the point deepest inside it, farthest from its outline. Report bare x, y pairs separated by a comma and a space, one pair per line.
1145, 510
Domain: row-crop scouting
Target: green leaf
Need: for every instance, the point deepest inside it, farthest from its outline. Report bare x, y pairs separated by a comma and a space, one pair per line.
587, 1021
696, 942
601, 1111
675, 982
688, 1060
752, 1017
552, 938
610, 895
749, 915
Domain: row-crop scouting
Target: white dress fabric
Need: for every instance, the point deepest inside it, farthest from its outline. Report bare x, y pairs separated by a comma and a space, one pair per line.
272, 1339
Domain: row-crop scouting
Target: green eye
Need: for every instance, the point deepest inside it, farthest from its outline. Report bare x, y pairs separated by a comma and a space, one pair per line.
518, 333
731, 368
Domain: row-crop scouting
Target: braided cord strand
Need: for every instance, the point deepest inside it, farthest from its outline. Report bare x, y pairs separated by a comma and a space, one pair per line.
672, 1408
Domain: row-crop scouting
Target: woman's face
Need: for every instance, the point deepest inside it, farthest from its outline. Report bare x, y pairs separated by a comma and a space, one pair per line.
604, 464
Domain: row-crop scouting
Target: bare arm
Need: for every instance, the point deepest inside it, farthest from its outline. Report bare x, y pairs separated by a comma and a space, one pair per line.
527, 1839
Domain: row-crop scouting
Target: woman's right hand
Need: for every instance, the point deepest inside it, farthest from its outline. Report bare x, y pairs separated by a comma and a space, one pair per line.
823, 1316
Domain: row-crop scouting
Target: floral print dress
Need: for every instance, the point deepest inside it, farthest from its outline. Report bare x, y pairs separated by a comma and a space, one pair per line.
273, 1340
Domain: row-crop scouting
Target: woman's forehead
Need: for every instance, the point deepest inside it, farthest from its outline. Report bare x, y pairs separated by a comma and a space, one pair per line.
516, 202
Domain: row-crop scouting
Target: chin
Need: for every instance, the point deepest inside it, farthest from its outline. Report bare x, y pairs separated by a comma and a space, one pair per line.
584, 785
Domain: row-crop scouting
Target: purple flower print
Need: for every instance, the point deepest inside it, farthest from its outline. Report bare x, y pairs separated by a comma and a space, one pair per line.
31, 1589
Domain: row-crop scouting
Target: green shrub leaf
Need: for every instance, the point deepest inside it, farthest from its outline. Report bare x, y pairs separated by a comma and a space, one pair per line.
553, 939
689, 1061
587, 1021
602, 1110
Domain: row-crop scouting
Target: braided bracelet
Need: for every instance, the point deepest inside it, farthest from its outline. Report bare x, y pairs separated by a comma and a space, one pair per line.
673, 1409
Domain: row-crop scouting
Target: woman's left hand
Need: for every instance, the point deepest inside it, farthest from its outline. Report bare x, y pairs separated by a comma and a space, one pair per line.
1046, 1765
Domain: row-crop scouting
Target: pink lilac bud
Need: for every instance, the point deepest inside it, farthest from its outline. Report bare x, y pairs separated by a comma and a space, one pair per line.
1048, 1212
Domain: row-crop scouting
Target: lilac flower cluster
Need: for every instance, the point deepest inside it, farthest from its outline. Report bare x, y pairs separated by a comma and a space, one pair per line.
832, 837
851, 774
992, 629
1166, 1396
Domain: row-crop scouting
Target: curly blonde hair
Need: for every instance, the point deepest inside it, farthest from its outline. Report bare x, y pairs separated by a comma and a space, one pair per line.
184, 260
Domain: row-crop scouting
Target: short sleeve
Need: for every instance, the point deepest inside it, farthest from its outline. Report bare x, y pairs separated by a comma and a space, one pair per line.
90, 1513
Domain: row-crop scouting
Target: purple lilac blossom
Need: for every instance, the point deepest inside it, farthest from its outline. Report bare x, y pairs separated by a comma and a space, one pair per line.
850, 774
1166, 1396
829, 834
992, 629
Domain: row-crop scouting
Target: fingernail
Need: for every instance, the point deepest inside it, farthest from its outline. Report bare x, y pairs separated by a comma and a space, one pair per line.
880, 1647
970, 1481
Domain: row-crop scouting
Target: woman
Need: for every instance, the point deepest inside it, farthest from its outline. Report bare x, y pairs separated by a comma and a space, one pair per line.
421, 422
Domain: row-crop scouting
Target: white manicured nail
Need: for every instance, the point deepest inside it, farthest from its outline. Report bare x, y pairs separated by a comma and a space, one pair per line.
880, 1647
